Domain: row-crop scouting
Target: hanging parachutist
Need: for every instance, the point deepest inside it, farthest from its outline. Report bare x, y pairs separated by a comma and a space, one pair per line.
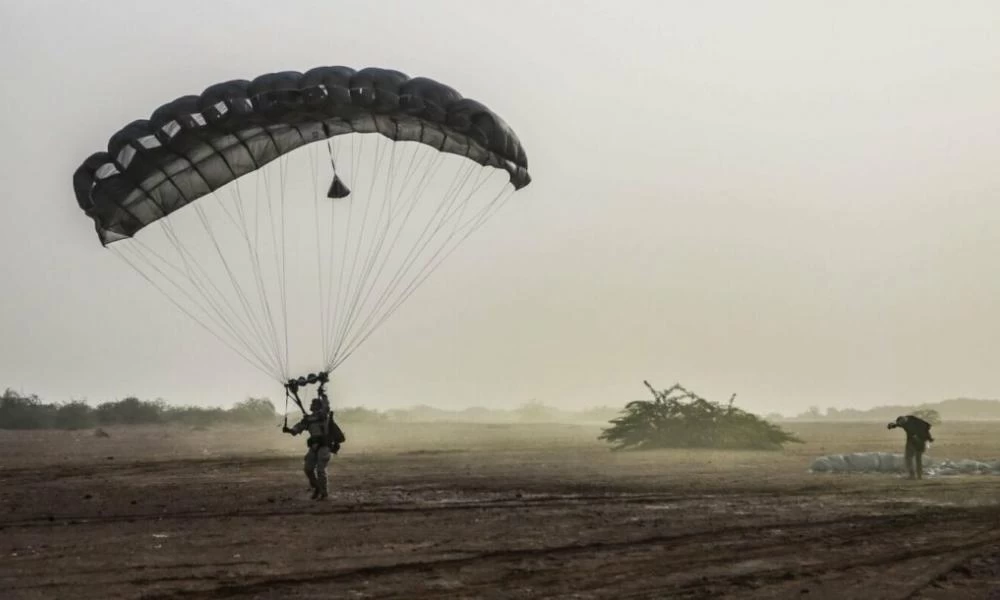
325, 436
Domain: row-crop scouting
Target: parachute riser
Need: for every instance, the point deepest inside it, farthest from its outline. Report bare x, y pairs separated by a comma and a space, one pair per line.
293, 385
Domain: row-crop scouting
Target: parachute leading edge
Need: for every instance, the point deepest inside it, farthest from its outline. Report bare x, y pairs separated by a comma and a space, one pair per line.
196, 144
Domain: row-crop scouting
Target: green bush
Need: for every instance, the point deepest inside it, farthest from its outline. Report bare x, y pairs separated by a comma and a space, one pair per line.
678, 418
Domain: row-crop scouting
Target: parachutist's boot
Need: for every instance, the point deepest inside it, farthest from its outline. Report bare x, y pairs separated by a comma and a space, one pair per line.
321, 488
313, 484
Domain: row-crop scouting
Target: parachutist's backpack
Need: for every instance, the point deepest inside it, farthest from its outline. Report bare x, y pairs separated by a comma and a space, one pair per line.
334, 435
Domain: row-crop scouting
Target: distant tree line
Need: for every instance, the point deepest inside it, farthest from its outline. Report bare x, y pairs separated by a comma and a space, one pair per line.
28, 411
957, 409
20, 411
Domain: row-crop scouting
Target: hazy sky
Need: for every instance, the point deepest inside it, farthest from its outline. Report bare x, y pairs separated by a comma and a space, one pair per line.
794, 201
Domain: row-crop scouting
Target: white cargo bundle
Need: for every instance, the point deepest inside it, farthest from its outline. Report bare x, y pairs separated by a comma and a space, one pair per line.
887, 462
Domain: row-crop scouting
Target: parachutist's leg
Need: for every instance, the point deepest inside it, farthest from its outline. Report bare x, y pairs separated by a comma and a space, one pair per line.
322, 460
310, 469
919, 459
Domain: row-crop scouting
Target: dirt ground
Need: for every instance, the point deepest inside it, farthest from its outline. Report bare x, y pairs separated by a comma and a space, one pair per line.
486, 511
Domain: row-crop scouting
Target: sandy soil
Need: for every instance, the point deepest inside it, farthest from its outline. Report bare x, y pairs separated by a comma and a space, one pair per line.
479, 511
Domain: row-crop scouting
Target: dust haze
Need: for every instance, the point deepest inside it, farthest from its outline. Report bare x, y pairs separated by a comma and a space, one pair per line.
787, 206
791, 201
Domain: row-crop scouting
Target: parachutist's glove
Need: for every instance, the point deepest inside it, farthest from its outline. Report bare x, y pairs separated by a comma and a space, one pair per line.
891, 426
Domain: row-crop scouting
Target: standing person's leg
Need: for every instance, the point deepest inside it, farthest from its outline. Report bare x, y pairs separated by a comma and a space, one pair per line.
909, 457
918, 457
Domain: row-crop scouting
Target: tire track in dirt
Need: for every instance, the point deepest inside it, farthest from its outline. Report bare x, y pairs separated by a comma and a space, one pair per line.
960, 570
459, 557
951, 565
119, 468
164, 567
313, 510
789, 550
886, 557
816, 529
657, 573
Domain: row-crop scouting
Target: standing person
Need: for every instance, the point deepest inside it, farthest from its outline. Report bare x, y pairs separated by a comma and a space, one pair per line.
918, 434
318, 456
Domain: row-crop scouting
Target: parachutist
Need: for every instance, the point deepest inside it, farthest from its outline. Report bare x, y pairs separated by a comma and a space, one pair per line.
918, 434
324, 440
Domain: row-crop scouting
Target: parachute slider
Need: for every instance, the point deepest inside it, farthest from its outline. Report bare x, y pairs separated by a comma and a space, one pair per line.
294, 384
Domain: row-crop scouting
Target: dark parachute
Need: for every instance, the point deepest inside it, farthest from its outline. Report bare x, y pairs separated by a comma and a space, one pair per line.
196, 144
207, 199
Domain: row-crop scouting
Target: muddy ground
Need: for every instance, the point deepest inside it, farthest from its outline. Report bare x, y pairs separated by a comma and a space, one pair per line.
486, 511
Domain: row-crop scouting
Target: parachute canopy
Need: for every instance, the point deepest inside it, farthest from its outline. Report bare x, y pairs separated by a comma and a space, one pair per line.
291, 215
196, 144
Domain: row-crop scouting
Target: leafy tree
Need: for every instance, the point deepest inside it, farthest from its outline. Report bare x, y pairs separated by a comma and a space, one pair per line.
18, 411
131, 411
75, 415
195, 416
